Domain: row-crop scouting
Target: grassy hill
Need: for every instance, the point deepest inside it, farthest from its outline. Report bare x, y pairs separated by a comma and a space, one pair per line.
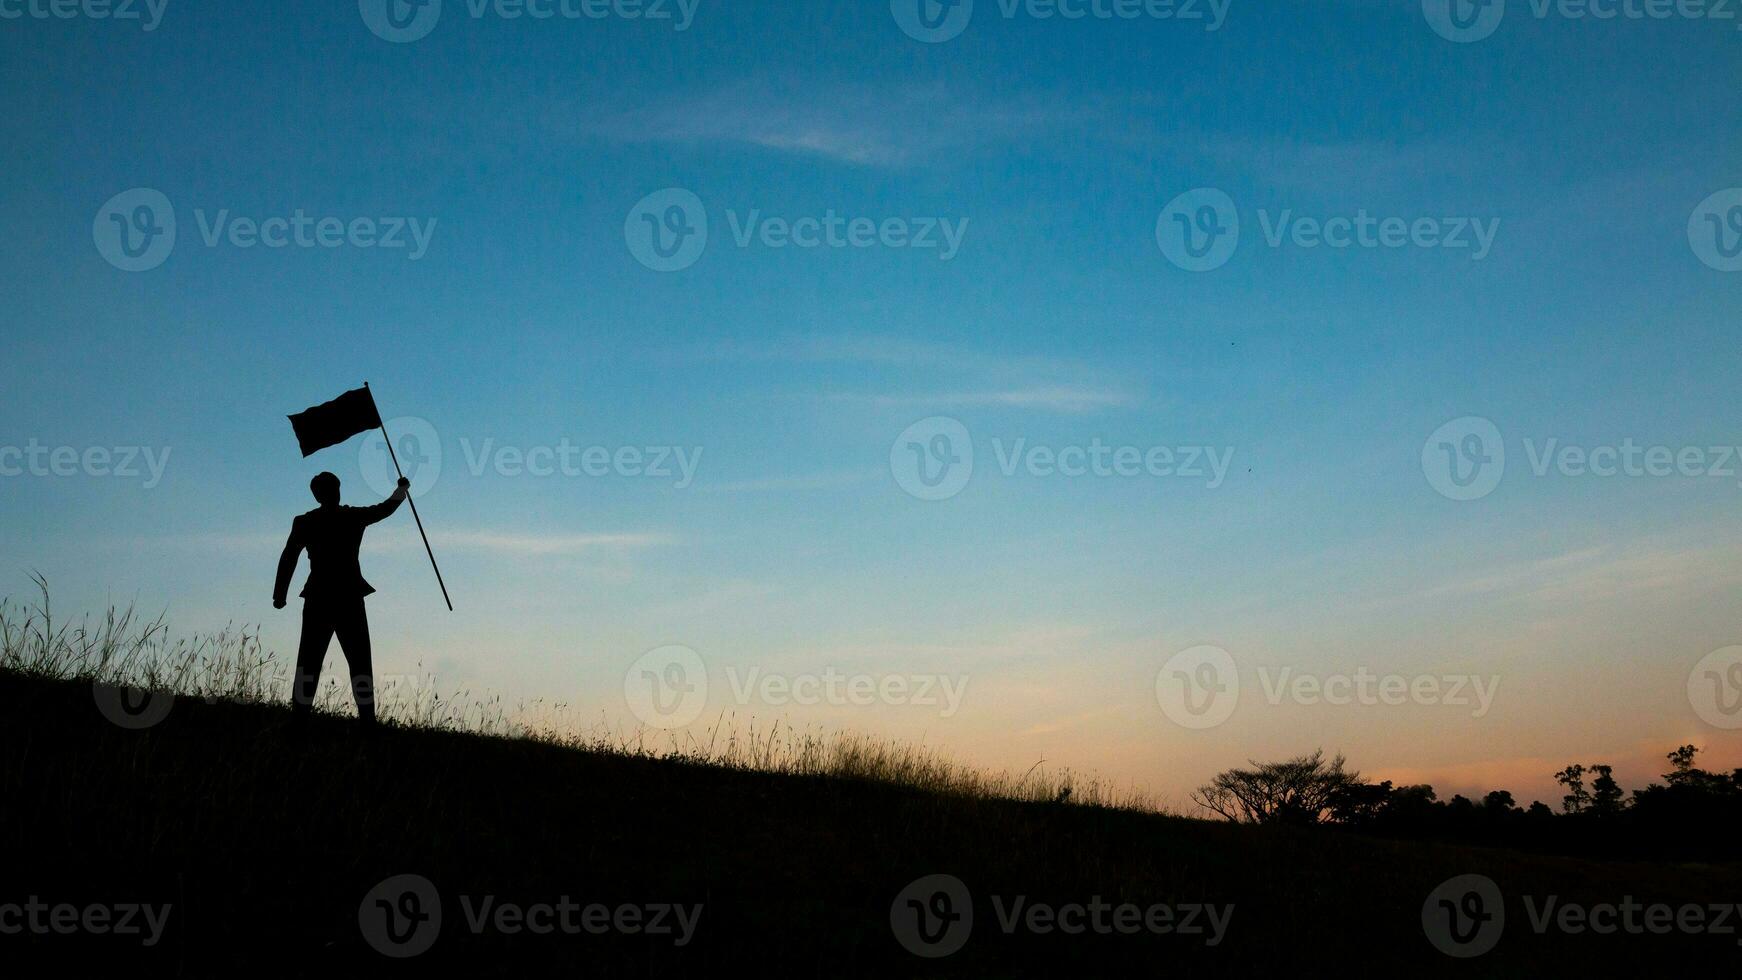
265, 846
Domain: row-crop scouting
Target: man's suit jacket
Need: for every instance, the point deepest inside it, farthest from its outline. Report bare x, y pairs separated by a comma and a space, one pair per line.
332, 537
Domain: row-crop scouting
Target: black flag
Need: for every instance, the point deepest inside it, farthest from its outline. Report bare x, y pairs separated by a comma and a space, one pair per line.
332, 423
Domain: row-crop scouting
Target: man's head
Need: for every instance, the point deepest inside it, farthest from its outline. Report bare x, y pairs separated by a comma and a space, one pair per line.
325, 487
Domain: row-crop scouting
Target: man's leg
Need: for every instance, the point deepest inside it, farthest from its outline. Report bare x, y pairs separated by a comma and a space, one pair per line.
317, 635
353, 630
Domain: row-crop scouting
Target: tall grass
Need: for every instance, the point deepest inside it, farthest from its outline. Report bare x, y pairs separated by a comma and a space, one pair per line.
124, 649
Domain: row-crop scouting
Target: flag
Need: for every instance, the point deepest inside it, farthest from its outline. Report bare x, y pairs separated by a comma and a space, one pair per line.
334, 422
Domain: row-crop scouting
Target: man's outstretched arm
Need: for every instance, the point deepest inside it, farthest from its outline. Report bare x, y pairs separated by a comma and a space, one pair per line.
287, 564
385, 508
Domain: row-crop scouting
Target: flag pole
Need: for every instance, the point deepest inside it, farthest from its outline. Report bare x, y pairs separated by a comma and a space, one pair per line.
395, 457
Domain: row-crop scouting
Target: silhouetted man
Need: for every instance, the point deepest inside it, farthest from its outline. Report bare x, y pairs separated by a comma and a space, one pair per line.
333, 594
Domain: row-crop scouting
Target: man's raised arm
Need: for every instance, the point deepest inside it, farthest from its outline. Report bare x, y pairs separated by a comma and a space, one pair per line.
385, 508
287, 563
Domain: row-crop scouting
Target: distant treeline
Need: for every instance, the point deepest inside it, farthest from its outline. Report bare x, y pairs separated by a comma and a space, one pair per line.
1692, 815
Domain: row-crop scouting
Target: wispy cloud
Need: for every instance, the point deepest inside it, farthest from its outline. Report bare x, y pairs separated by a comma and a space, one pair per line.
550, 544
1057, 398
1068, 723
879, 126
1602, 573
963, 377
797, 482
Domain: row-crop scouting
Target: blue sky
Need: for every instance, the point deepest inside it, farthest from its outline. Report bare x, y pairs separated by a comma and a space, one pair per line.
1054, 146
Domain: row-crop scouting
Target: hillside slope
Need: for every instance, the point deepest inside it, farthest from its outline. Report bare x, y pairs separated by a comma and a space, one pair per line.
266, 847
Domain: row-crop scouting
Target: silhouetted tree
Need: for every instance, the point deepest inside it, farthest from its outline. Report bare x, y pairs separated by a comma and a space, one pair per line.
1605, 792
1692, 818
1297, 791
1573, 778
1360, 804
1681, 766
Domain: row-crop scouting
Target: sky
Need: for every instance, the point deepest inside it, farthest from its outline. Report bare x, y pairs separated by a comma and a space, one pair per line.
1142, 392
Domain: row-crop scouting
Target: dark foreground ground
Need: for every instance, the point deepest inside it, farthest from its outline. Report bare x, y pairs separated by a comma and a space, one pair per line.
272, 855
